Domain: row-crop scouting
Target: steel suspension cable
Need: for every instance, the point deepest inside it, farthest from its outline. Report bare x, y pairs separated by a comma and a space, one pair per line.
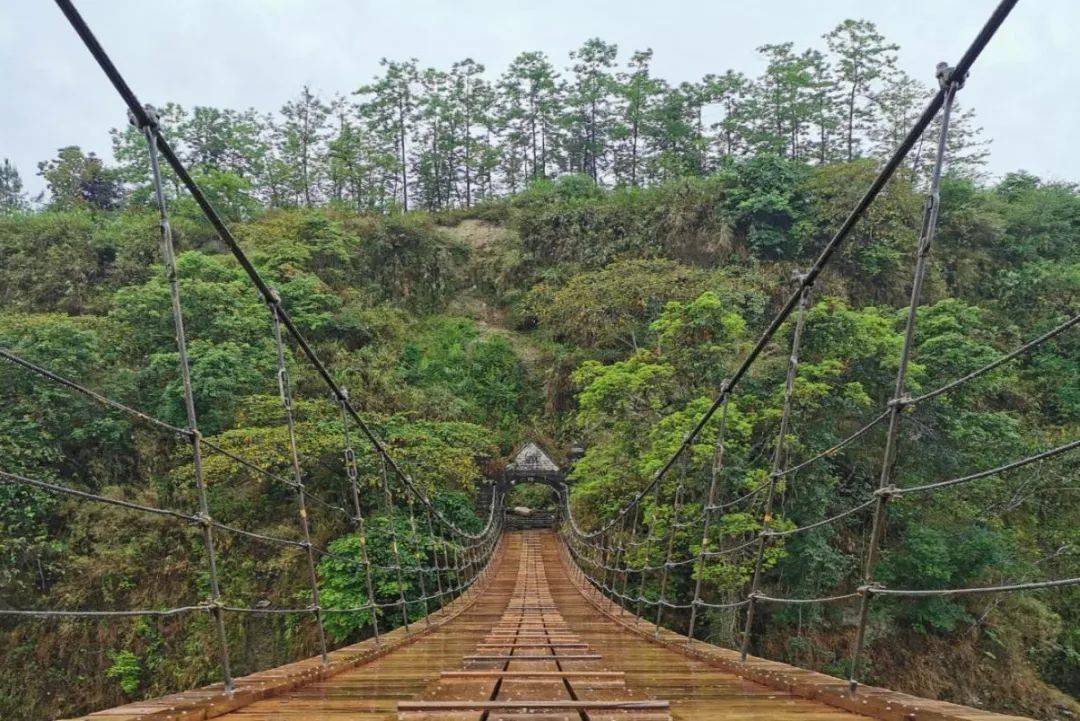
150, 132
777, 461
950, 80
298, 477
890, 167
141, 118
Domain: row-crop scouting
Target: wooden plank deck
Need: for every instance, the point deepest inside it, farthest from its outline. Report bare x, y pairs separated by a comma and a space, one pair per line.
531, 597
587, 661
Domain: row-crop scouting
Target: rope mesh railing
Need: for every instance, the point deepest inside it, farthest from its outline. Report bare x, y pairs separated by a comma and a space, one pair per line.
605, 548
472, 551
590, 549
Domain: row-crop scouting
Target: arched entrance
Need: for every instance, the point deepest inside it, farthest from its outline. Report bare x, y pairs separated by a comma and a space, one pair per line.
531, 467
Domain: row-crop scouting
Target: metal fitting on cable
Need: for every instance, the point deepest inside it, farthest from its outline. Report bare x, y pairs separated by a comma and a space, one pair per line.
153, 120
900, 402
869, 589
944, 74
202, 519
887, 492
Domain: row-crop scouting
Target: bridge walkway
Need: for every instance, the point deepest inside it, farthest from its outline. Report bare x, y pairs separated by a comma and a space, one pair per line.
446, 675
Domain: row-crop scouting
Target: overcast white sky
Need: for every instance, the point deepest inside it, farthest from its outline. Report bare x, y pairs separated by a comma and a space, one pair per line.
241, 53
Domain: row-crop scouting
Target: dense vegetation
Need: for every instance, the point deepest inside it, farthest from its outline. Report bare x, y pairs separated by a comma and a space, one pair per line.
601, 308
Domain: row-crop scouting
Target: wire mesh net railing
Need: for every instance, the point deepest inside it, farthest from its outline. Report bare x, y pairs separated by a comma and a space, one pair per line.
601, 553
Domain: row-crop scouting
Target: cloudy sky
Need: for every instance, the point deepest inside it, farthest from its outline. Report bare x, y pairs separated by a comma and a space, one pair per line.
258, 53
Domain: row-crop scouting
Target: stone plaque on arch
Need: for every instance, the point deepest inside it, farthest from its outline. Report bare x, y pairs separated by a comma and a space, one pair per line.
531, 458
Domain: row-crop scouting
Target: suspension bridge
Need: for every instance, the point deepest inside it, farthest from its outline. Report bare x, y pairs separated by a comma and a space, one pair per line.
544, 624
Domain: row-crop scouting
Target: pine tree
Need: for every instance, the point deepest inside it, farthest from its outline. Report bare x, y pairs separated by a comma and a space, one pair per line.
529, 105
589, 105
728, 94
301, 141
390, 108
638, 93
469, 96
861, 57
783, 101
12, 196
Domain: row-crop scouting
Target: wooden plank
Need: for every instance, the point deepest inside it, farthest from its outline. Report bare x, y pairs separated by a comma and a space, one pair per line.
625, 664
537, 704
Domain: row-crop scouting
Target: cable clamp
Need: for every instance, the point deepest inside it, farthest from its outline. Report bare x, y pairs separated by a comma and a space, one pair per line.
887, 491
945, 74
202, 519
869, 589
152, 122
212, 605
900, 402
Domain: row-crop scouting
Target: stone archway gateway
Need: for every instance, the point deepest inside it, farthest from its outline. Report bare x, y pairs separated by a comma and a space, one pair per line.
531, 463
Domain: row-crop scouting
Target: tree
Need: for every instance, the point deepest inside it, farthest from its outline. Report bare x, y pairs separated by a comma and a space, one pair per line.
589, 105
469, 92
820, 105
224, 140
729, 92
898, 105
133, 162
862, 57
12, 197
638, 92
78, 180
529, 104
433, 165
674, 134
782, 101
301, 141
390, 106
